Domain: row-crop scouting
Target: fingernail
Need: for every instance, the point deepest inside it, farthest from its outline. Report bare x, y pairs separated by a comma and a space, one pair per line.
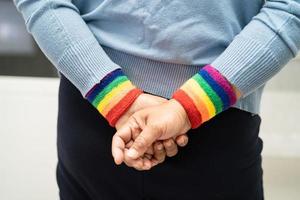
169, 144
117, 161
159, 147
182, 141
132, 153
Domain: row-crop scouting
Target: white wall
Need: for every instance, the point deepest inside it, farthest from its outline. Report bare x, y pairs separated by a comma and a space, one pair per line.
280, 113
28, 112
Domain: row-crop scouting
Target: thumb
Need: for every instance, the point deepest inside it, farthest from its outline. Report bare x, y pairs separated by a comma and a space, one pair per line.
140, 145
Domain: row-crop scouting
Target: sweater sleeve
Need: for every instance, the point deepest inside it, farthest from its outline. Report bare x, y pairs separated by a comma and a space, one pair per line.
256, 54
69, 44
263, 47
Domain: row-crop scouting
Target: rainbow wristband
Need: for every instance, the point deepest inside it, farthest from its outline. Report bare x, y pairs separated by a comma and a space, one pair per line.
205, 95
113, 95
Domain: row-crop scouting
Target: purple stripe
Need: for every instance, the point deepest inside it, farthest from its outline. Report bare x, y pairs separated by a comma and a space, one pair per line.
222, 82
91, 95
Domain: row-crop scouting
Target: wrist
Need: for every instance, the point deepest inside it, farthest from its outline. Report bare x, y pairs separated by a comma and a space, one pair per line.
181, 111
113, 95
205, 95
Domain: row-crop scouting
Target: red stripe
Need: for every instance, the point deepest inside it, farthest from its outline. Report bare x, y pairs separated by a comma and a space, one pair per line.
189, 106
122, 106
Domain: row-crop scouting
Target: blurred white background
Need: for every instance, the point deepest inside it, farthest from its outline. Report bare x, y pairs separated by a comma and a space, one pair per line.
28, 113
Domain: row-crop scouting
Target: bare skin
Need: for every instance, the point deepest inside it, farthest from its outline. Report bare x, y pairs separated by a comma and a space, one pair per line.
157, 152
142, 129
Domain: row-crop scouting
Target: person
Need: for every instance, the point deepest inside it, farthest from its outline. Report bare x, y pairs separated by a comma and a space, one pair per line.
140, 79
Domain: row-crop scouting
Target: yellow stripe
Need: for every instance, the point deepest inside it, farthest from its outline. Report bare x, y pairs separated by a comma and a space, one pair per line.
106, 100
199, 91
115, 101
201, 106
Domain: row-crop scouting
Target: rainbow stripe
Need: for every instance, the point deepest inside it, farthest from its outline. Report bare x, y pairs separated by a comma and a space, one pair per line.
205, 95
113, 95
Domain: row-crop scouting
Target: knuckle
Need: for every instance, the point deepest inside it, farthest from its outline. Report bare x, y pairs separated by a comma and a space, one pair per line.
160, 152
169, 144
129, 164
136, 118
140, 142
133, 123
156, 128
158, 146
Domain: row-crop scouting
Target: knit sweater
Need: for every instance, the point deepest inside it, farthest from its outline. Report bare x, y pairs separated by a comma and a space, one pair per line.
159, 45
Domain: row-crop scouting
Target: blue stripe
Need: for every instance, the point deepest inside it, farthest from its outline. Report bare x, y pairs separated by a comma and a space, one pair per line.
104, 82
216, 87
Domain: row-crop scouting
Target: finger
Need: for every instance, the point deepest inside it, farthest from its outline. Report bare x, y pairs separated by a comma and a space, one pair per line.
142, 142
129, 144
150, 150
117, 148
121, 137
135, 163
142, 163
170, 147
146, 164
149, 156
135, 131
182, 140
159, 153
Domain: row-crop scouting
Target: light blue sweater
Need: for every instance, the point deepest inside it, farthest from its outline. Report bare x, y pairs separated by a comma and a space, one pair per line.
160, 44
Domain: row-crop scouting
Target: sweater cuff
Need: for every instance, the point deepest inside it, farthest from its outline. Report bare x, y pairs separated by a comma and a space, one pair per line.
113, 95
85, 63
205, 95
248, 64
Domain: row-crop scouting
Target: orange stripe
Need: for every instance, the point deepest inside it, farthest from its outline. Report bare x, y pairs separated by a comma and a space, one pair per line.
201, 106
115, 101
122, 106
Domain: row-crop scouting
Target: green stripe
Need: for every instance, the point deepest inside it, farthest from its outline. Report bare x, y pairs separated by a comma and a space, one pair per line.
214, 97
108, 88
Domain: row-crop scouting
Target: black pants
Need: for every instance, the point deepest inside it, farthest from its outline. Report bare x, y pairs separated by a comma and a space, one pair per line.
221, 161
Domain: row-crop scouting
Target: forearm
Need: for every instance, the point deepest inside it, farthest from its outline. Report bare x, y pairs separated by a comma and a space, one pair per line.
69, 44
254, 56
263, 47
66, 40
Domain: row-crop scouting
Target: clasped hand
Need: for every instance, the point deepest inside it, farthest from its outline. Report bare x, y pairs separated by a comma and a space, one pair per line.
150, 129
